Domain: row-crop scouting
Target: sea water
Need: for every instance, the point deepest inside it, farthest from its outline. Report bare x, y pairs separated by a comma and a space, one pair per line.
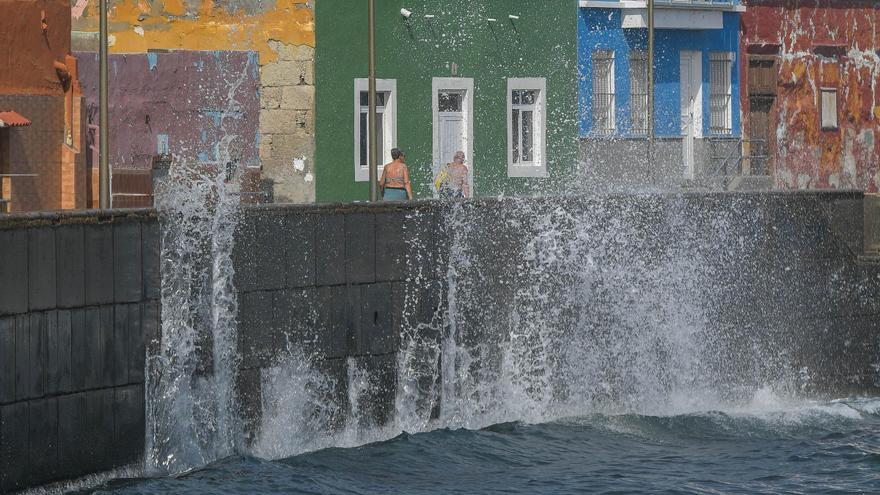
767, 445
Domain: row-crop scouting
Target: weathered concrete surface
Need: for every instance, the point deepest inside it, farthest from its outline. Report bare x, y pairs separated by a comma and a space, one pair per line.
79, 301
620, 164
136, 27
34, 35
280, 32
191, 101
819, 44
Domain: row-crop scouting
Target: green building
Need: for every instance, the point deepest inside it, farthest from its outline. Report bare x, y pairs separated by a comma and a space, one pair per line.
496, 79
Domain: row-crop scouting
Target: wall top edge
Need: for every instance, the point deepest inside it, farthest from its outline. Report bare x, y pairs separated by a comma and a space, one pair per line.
731, 6
125, 215
425, 204
54, 218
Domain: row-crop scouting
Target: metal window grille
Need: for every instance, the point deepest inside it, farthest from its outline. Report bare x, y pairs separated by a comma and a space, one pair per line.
603, 92
720, 90
364, 141
638, 77
524, 108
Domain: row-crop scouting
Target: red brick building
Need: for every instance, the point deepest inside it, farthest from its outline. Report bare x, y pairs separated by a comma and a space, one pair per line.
811, 96
42, 164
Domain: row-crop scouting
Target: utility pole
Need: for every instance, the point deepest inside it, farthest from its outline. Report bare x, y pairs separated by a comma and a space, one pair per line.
371, 116
103, 124
651, 87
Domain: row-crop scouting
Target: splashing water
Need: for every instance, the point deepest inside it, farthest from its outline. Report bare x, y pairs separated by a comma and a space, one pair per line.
560, 311
606, 308
191, 411
192, 414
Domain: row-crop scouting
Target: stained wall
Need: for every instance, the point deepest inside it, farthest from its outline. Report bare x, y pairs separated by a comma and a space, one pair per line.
279, 32
189, 101
819, 44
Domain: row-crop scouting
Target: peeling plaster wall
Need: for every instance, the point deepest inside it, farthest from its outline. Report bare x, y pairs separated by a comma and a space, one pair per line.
34, 34
281, 32
182, 95
820, 44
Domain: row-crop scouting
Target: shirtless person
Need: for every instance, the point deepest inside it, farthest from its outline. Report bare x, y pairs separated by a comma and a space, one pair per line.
395, 184
458, 176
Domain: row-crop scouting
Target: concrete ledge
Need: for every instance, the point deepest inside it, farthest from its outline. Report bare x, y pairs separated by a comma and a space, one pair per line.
75, 217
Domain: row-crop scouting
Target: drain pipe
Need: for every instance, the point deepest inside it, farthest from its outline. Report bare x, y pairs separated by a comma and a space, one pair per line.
371, 115
103, 124
651, 89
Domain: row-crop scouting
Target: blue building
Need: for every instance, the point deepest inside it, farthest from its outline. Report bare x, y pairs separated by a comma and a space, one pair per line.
696, 90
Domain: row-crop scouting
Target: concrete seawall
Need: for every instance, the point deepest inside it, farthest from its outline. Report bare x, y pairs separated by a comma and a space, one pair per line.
342, 283
79, 296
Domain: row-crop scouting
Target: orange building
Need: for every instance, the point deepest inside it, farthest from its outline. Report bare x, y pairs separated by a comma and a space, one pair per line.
42, 163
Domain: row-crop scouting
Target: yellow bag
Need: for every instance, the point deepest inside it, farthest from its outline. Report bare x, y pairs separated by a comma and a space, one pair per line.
442, 178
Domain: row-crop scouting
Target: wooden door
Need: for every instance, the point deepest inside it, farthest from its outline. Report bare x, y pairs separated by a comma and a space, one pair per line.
762, 98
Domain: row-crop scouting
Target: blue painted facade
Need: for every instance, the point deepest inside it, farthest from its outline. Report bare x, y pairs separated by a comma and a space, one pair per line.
600, 29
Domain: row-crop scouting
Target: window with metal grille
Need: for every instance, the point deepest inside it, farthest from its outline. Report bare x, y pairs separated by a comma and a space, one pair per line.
383, 155
523, 111
526, 102
603, 92
638, 80
720, 91
386, 125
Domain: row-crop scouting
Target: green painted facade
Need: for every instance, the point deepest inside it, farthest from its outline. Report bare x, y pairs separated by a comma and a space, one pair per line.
541, 43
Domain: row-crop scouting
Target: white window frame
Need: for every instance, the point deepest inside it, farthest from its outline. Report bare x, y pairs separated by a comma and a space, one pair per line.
722, 89
362, 173
538, 166
828, 119
611, 115
466, 86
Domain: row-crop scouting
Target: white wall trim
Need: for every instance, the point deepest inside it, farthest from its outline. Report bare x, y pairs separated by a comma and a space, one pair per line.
672, 4
466, 85
673, 19
539, 168
362, 174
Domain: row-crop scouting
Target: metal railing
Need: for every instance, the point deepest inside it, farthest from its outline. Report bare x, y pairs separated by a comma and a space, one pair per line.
728, 165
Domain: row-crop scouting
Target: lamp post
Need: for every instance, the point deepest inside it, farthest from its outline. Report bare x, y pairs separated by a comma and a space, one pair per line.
103, 124
650, 69
371, 115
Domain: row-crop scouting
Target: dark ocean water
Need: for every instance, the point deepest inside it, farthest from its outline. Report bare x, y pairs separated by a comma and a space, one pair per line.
823, 448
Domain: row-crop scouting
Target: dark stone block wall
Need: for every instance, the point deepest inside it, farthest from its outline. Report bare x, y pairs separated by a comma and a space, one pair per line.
780, 275
79, 296
330, 282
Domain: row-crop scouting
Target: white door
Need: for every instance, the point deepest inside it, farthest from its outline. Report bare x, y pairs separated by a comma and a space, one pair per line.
691, 107
451, 121
453, 114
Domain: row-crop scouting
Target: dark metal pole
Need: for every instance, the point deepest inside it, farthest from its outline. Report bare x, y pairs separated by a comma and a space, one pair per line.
371, 117
103, 124
651, 85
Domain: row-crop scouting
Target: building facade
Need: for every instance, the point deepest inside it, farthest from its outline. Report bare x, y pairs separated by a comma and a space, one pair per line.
41, 157
194, 77
696, 91
492, 78
812, 68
